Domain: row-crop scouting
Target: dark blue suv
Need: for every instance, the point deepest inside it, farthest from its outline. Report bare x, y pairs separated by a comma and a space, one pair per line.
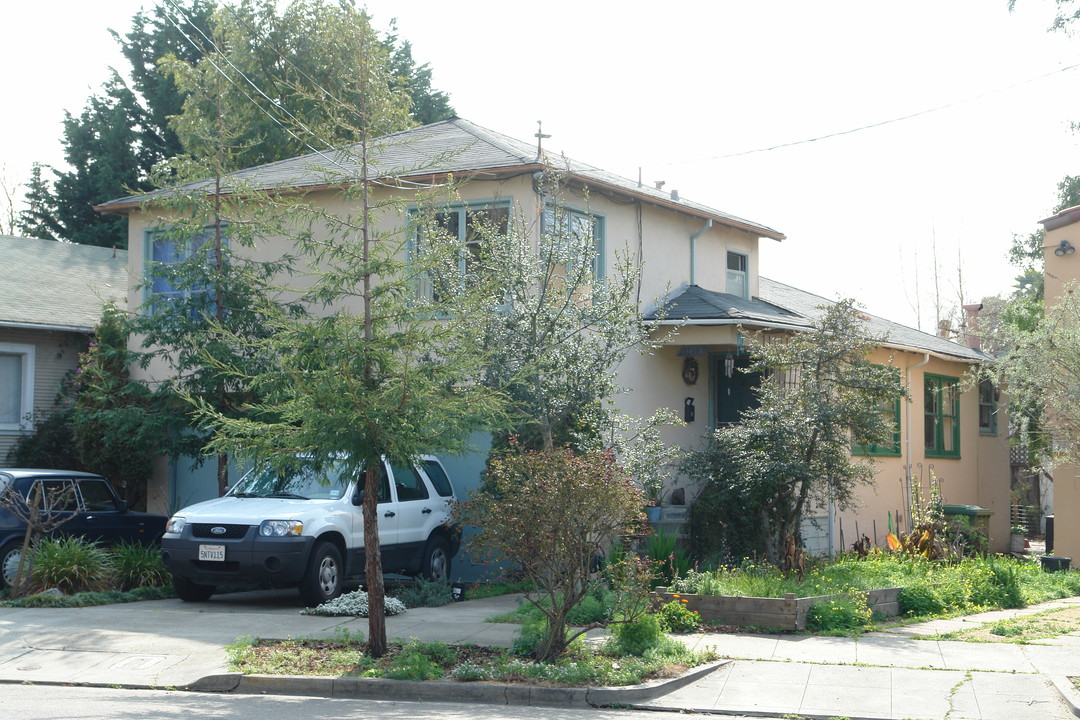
97, 513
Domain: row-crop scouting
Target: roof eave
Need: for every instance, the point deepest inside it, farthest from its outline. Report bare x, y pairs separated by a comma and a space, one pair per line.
758, 230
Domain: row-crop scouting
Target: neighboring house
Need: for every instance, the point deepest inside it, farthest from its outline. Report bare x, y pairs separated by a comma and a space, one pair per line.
711, 260
1061, 267
53, 294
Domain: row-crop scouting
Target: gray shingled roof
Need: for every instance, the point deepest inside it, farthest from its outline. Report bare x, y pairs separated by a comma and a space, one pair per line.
780, 305
697, 303
453, 145
49, 284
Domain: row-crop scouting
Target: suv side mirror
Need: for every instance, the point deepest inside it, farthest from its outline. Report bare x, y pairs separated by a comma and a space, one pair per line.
122, 505
358, 498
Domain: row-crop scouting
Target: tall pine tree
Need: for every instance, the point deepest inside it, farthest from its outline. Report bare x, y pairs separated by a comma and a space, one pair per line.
294, 55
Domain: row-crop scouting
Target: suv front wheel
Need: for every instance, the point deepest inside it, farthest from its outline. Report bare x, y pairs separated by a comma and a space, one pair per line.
436, 562
325, 575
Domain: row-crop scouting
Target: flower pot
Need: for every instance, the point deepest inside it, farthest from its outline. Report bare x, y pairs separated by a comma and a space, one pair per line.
1016, 543
653, 512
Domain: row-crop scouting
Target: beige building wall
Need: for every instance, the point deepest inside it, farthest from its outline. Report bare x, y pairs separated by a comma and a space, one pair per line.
1061, 272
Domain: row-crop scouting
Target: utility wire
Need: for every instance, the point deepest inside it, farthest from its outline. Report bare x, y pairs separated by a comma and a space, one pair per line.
870, 126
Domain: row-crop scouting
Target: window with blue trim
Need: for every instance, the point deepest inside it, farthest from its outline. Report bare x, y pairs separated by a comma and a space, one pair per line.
578, 234
179, 270
466, 225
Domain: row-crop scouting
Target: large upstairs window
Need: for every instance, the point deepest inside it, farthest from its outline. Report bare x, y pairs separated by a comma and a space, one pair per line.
465, 225
180, 270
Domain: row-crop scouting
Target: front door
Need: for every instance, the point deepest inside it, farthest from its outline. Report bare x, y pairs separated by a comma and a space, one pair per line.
735, 389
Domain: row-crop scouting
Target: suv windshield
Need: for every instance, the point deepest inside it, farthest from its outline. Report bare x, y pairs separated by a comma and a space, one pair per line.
301, 483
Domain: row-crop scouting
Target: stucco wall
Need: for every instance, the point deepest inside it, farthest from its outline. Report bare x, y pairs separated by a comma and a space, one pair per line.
1061, 271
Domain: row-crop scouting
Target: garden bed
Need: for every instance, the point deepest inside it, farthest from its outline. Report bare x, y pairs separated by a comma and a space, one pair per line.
786, 613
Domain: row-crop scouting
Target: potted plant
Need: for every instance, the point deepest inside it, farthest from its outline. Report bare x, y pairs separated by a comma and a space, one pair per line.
1017, 538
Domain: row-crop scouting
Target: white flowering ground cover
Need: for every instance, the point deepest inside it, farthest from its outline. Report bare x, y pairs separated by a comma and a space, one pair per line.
354, 604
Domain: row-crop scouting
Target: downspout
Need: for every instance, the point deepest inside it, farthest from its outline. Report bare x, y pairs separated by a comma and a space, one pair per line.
693, 251
907, 435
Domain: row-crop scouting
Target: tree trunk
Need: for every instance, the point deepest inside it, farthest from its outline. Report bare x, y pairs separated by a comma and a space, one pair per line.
377, 644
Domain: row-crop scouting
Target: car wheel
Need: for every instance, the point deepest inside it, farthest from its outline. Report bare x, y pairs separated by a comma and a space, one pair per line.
9, 563
436, 563
325, 575
191, 591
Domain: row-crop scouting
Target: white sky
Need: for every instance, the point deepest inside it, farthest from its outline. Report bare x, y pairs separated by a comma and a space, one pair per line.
675, 87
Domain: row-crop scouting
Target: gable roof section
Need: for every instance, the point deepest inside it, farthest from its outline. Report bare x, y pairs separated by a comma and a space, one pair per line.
51, 285
451, 146
782, 306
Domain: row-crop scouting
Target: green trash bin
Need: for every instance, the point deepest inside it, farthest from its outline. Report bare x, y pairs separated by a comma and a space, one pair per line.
977, 516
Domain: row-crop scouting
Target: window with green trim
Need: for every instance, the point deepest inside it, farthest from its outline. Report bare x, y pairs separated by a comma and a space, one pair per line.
466, 225
987, 408
941, 407
891, 411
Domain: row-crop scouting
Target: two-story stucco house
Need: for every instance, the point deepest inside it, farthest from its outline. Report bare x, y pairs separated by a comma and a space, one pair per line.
706, 263
53, 294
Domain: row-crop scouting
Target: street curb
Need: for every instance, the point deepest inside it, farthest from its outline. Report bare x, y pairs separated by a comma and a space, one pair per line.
478, 692
1067, 691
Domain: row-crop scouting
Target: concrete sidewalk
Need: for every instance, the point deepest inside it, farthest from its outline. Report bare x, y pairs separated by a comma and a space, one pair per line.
884, 675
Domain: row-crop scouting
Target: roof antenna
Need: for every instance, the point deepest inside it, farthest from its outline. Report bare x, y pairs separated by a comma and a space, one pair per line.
539, 139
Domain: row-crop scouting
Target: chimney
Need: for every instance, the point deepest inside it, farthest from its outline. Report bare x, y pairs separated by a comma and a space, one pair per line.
675, 195
971, 326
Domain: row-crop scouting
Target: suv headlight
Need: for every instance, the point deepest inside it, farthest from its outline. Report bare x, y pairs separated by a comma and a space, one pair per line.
175, 525
281, 528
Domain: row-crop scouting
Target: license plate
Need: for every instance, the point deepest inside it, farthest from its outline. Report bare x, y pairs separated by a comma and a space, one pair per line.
212, 552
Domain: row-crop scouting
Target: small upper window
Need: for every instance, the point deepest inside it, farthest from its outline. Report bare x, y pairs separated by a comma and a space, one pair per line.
737, 275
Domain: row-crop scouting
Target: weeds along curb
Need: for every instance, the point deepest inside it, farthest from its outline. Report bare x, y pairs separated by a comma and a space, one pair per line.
479, 692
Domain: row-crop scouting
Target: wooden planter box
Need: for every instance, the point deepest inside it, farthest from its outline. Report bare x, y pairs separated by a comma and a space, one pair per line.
786, 613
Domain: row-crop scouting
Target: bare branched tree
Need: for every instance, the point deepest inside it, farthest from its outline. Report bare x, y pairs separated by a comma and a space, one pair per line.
49, 505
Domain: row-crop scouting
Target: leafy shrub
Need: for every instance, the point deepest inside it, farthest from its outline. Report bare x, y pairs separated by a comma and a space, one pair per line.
138, 565
421, 661
355, 604
636, 637
843, 613
530, 635
425, 593
72, 565
675, 617
919, 600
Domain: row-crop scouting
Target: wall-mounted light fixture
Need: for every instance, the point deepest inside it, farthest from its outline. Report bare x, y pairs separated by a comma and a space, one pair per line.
1065, 248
